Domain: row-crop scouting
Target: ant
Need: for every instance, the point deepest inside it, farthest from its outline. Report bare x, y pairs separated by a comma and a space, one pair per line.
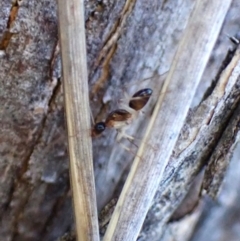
121, 118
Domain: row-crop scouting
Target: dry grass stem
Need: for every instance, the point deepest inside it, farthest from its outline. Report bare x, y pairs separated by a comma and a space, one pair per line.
73, 48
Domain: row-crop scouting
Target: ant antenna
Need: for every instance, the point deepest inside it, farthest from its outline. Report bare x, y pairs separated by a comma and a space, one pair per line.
162, 76
233, 39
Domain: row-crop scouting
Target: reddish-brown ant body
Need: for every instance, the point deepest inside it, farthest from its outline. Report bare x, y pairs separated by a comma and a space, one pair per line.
121, 118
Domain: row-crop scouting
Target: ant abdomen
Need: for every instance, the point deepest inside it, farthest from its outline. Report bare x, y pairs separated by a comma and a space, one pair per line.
140, 99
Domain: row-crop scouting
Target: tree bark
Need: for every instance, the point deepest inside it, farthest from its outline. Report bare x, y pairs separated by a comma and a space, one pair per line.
127, 41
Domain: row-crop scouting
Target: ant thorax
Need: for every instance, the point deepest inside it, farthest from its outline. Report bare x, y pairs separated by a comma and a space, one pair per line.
118, 118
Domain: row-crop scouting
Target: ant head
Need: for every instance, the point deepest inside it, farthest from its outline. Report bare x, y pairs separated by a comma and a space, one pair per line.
140, 99
98, 129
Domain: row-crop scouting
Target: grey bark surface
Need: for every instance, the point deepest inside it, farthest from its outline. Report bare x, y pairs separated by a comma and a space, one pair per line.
126, 42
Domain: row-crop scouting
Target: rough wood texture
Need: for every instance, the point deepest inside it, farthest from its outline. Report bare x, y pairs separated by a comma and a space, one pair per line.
193, 150
75, 78
35, 201
148, 167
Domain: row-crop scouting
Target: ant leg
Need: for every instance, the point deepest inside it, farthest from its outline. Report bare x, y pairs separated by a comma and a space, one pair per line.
125, 100
154, 148
128, 137
161, 77
131, 141
125, 147
92, 118
123, 134
132, 152
129, 150
146, 143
